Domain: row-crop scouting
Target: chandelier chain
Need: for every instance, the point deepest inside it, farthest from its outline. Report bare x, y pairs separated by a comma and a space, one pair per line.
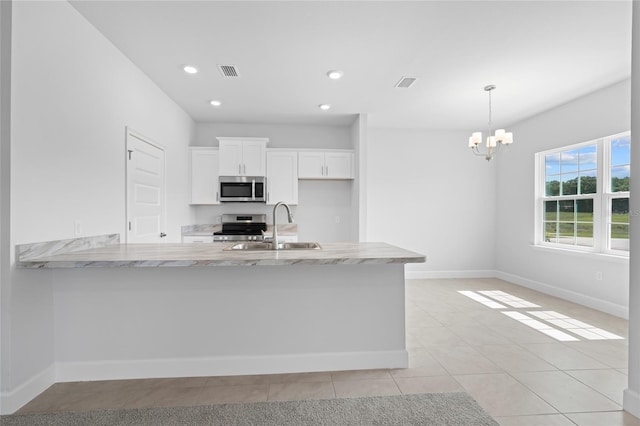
490, 129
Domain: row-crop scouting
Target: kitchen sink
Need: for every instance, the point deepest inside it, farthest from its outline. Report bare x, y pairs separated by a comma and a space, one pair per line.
255, 245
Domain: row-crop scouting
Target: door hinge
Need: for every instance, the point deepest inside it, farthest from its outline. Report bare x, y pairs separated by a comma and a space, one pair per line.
129, 151
129, 226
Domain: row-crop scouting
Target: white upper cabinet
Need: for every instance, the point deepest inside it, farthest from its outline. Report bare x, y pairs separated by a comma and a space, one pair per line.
336, 164
282, 176
243, 156
204, 175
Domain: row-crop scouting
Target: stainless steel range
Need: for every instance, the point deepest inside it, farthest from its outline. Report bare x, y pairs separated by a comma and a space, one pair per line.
241, 227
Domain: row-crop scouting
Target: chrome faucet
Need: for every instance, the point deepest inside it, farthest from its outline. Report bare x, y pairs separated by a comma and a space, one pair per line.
275, 223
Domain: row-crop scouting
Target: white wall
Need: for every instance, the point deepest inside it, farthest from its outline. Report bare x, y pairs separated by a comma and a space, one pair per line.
359, 193
5, 161
319, 202
631, 396
427, 192
599, 114
73, 93
280, 135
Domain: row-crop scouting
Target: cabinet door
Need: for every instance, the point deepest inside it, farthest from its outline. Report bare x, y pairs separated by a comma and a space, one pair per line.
282, 177
204, 176
253, 158
231, 158
311, 164
338, 165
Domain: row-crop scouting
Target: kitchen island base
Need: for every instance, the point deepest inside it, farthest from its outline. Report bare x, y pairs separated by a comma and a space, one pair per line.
121, 323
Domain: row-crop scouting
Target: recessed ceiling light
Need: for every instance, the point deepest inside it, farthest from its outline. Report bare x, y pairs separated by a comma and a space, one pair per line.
334, 74
190, 69
324, 107
215, 103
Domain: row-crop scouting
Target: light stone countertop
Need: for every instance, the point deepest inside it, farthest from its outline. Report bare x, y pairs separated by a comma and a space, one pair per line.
213, 254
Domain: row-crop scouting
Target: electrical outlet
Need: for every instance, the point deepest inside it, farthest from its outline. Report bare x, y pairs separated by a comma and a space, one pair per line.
77, 228
598, 276
337, 219
218, 219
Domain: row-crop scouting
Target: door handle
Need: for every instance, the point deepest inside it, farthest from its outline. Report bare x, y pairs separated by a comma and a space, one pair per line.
162, 235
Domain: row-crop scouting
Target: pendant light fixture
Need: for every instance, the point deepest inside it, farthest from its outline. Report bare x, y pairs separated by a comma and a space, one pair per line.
493, 143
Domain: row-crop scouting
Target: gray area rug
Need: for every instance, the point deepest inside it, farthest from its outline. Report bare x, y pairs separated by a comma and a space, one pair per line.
456, 408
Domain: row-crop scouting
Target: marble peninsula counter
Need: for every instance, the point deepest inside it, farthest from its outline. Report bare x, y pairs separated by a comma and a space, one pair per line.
214, 254
194, 309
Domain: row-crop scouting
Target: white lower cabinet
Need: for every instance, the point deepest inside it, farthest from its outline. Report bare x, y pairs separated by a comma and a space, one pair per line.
282, 176
204, 175
325, 164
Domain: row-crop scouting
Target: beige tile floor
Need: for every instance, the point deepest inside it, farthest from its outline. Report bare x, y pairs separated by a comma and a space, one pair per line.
517, 374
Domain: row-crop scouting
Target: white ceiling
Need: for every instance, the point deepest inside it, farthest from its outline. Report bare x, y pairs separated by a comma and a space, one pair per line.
538, 54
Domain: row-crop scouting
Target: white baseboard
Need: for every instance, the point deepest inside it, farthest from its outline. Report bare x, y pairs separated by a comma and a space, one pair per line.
227, 366
417, 275
13, 400
631, 402
592, 302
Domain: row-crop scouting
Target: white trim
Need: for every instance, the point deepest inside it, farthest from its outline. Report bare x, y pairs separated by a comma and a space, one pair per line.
481, 273
591, 302
631, 402
609, 257
233, 365
16, 398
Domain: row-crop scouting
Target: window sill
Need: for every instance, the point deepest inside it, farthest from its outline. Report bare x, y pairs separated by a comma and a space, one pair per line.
608, 257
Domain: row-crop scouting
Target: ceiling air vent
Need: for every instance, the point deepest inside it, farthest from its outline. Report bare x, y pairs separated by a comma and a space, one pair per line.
406, 82
229, 70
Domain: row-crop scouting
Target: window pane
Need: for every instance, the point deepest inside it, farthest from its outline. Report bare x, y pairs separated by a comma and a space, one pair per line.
619, 224
584, 234
552, 164
569, 161
620, 178
553, 186
588, 158
619, 237
620, 210
584, 210
566, 233
551, 210
569, 184
550, 231
621, 151
566, 208
588, 182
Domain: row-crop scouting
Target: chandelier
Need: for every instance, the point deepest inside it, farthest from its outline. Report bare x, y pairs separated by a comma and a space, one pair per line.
494, 143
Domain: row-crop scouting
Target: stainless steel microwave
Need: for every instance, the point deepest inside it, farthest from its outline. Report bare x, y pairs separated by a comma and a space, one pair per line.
243, 189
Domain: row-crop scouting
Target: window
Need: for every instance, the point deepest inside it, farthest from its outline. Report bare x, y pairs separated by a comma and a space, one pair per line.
582, 196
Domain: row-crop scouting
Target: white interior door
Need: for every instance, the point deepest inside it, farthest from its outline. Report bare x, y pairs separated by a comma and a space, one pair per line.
145, 190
